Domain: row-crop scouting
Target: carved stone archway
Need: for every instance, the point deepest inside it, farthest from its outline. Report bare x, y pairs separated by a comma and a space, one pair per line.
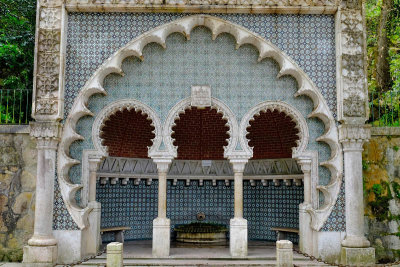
237, 148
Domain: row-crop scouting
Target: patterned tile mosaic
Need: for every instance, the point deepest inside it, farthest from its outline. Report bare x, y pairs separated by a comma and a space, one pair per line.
264, 207
308, 39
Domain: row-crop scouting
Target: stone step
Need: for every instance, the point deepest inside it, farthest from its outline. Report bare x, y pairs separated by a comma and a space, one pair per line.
198, 262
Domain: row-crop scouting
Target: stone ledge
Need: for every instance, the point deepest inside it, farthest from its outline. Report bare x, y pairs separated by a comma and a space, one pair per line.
385, 131
9, 129
210, 9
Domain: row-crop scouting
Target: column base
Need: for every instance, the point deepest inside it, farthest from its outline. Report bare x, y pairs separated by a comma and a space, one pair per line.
353, 241
305, 231
40, 255
161, 237
238, 237
358, 256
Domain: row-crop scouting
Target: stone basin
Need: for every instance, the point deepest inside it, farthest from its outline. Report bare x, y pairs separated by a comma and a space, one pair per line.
201, 233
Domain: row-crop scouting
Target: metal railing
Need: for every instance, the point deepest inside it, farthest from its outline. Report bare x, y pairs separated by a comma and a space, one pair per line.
384, 109
15, 106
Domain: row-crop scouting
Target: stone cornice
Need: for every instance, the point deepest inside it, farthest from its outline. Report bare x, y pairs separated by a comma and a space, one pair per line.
210, 6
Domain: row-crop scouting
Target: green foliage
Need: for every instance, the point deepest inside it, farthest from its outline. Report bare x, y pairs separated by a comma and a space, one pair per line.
17, 40
11, 255
380, 206
385, 108
396, 189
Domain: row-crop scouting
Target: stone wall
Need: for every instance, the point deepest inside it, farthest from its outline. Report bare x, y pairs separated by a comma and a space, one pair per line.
381, 171
17, 190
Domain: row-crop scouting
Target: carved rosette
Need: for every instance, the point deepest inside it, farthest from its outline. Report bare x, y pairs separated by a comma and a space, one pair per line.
352, 85
48, 61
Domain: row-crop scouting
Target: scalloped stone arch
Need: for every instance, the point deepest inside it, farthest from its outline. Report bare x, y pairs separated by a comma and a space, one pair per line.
180, 108
280, 106
234, 150
121, 105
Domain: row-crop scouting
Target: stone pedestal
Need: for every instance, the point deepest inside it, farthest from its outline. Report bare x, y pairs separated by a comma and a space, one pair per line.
92, 238
305, 231
238, 237
284, 253
115, 254
161, 237
358, 256
40, 256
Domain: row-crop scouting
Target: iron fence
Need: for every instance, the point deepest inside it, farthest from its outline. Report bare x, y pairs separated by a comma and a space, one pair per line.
384, 109
15, 106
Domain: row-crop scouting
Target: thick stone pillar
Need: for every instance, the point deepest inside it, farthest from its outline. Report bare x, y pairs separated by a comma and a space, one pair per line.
355, 247
42, 247
305, 231
238, 225
93, 238
161, 224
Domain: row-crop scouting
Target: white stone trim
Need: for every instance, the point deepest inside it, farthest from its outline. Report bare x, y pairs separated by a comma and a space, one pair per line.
200, 6
159, 35
280, 106
180, 108
120, 105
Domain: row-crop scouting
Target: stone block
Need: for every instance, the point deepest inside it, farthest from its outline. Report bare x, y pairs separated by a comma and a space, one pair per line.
45, 256
161, 237
114, 254
358, 256
284, 253
238, 237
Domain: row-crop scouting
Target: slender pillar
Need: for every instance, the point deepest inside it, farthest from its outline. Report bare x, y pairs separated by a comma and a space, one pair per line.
42, 246
238, 225
92, 238
355, 245
161, 224
305, 231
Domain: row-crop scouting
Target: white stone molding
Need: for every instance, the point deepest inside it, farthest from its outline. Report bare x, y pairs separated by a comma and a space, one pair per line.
180, 108
293, 113
206, 6
352, 91
120, 105
49, 61
184, 26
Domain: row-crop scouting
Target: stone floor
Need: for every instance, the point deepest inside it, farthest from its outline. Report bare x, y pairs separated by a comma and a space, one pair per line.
138, 253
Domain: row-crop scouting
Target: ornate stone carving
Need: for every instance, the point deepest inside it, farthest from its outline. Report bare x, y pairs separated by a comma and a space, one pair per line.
48, 58
352, 82
237, 148
45, 130
201, 96
119, 105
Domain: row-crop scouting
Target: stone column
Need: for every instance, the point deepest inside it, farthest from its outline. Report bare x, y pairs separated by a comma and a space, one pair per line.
42, 247
355, 247
93, 238
161, 224
305, 231
238, 225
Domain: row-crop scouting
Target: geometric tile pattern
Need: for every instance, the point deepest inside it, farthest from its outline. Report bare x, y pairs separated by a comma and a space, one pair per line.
308, 39
337, 219
264, 207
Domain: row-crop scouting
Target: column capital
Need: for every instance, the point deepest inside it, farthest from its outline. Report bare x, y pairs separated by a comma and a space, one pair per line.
305, 164
94, 162
353, 137
47, 134
163, 164
238, 164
